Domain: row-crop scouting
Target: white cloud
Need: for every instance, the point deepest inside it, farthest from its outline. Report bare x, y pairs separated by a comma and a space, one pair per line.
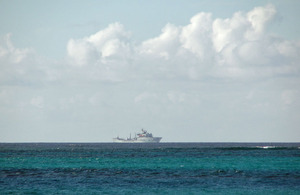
110, 42
81, 52
20, 66
244, 49
196, 36
11, 54
289, 49
235, 47
229, 31
259, 16
105, 53
165, 45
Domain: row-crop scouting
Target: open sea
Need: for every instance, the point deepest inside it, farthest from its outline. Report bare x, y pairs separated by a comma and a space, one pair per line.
164, 168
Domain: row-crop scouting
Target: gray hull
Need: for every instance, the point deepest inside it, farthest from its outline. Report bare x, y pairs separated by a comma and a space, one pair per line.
138, 140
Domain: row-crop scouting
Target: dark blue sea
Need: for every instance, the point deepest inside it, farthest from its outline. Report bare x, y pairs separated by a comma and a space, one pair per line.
164, 168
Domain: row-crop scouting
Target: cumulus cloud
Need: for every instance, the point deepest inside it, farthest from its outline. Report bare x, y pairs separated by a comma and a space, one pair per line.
196, 36
259, 16
244, 48
105, 54
111, 42
236, 47
165, 45
207, 47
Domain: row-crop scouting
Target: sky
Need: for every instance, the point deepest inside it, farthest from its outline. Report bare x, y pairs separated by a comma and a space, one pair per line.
187, 71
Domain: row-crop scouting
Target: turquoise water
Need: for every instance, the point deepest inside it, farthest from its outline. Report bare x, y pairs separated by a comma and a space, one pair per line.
166, 168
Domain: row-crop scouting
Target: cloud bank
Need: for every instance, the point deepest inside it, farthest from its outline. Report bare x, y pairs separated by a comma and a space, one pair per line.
238, 47
235, 47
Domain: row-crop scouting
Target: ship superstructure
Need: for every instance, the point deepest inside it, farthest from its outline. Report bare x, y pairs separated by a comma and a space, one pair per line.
143, 137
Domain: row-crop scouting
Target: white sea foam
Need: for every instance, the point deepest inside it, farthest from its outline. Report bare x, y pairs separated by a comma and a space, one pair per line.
266, 147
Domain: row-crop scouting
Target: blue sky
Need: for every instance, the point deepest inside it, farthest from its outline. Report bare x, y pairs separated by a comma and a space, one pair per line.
88, 71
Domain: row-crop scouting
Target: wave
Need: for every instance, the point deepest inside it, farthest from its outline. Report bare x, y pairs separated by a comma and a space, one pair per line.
268, 147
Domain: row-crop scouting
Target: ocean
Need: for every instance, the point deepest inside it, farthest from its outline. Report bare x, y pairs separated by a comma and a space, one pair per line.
164, 168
